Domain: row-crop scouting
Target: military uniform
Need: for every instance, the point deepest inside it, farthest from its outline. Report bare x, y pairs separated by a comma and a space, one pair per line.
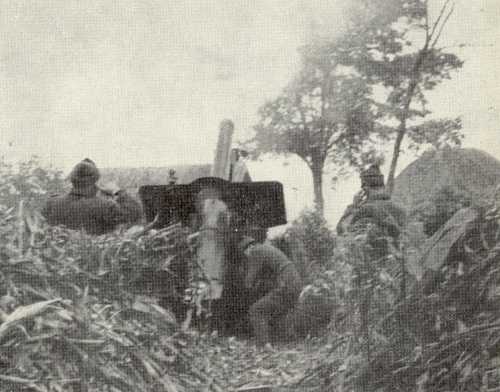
346, 219
84, 209
268, 266
374, 206
381, 211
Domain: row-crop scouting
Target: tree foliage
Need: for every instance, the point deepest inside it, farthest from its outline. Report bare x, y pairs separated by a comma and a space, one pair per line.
324, 116
395, 45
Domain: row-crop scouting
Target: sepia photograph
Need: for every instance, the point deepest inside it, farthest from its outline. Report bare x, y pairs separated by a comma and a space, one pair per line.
249, 196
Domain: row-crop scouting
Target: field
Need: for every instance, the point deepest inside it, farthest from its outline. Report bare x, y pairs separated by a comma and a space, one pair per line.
75, 317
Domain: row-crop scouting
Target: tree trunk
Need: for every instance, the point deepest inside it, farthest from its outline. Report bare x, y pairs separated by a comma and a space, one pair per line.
395, 156
402, 125
317, 173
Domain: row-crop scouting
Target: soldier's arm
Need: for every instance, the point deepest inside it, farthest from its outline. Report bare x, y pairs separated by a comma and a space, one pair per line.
254, 266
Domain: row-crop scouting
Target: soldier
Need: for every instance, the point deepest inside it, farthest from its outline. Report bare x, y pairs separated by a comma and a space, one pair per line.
269, 270
345, 220
85, 207
375, 205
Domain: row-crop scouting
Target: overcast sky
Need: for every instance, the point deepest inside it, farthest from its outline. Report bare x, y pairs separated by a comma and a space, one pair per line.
146, 83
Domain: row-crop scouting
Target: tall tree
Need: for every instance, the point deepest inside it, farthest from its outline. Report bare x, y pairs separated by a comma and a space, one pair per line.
396, 45
323, 116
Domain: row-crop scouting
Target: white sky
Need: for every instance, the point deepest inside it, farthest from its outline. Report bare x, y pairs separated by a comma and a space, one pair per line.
140, 83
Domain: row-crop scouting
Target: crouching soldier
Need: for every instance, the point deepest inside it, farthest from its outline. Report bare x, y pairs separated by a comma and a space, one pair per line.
267, 265
85, 207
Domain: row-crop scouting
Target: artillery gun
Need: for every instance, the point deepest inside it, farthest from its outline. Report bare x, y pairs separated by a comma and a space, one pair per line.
215, 206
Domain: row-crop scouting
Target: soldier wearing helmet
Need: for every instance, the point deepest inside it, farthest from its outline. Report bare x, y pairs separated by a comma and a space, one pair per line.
86, 208
377, 206
374, 214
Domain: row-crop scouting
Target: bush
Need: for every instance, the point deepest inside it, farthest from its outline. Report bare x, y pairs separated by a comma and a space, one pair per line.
30, 182
310, 239
310, 243
76, 313
441, 336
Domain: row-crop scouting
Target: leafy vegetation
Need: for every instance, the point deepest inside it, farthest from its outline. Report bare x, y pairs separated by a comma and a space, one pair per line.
438, 332
75, 314
81, 313
396, 45
30, 182
363, 88
311, 234
323, 116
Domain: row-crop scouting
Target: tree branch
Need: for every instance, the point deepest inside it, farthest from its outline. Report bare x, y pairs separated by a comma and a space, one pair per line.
308, 163
440, 16
426, 20
443, 25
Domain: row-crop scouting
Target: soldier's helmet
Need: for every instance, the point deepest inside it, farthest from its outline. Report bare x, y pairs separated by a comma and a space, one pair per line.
85, 173
372, 177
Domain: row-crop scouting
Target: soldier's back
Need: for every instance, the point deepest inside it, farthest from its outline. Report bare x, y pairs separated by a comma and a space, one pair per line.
383, 212
276, 264
95, 215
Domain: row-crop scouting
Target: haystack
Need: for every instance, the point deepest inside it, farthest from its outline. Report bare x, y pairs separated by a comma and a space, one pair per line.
471, 170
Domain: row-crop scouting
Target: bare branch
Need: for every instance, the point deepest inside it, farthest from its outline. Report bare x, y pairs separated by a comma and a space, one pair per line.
443, 25
436, 23
427, 21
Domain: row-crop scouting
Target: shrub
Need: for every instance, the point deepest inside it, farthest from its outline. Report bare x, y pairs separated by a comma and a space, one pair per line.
75, 314
310, 239
28, 181
75, 310
310, 243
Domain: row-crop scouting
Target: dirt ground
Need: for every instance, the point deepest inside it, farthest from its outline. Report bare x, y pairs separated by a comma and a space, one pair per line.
237, 364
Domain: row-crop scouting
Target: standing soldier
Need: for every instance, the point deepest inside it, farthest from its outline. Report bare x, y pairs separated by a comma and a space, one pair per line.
84, 208
376, 206
381, 221
373, 205
269, 270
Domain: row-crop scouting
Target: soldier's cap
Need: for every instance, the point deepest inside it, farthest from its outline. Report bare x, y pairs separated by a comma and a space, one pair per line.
85, 173
372, 177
